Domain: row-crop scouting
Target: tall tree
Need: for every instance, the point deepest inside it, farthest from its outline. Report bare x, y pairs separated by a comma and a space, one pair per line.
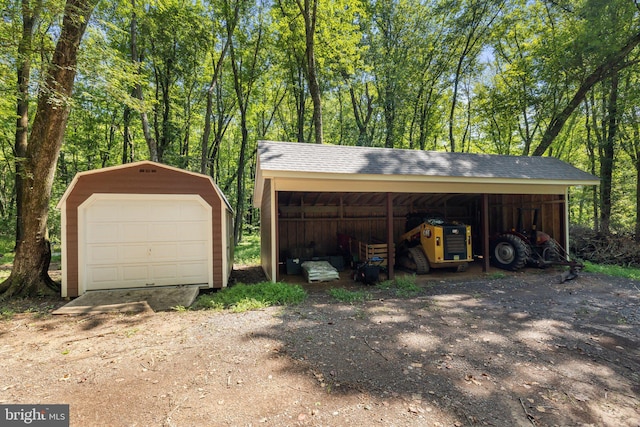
152, 143
30, 18
29, 276
309, 11
230, 13
246, 69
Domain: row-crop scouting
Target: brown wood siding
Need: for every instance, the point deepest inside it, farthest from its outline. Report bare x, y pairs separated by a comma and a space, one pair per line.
265, 231
143, 179
551, 219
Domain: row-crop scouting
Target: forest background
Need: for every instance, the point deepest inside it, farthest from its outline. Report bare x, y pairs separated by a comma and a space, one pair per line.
195, 84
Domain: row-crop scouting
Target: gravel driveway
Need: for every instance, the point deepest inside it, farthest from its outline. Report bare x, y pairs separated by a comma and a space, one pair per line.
520, 350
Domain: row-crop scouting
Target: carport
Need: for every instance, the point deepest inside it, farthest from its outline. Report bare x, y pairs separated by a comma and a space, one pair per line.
309, 195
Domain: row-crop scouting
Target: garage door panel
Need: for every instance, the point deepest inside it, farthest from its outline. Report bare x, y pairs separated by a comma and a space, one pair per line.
163, 232
160, 272
103, 233
190, 231
192, 212
133, 232
104, 276
102, 254
103, 210
133, 210
135, 272
147, 242
194, 272
165, 211
132, 253
166, 252
193, 250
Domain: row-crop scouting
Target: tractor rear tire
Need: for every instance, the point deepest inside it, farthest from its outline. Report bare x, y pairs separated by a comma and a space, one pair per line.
510, 252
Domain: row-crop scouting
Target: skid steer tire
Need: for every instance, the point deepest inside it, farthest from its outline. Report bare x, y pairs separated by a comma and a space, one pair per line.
510, 252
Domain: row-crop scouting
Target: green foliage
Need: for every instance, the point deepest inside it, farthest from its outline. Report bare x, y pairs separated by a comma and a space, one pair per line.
344, 295
6, 314
406, 286
403, 286
613, 270
7, 242
386, 71
241, 297
247, 251
6, 255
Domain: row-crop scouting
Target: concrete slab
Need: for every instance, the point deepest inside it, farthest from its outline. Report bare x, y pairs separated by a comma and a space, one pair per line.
131, 300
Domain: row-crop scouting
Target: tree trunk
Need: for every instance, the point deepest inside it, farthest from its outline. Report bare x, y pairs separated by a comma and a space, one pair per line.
29, 276
606, 156
152, 144
637, 227
362, 118
309, 12
29, 19
127, 142
217, 67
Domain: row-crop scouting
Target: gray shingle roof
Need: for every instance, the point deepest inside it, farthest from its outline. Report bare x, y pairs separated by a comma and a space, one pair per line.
336, 159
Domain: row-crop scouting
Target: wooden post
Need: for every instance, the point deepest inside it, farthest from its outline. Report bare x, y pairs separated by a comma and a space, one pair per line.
485, 233
390, 248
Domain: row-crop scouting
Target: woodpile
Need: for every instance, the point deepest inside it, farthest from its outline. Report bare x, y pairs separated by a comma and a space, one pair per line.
616, 249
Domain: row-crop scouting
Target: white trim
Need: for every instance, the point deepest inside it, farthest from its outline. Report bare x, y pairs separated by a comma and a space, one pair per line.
258, 186
224, 243
274, 232
409, 186
63, 250
419, 178
82, 208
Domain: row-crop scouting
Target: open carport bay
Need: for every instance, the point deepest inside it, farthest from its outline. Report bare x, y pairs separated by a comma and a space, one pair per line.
311, 224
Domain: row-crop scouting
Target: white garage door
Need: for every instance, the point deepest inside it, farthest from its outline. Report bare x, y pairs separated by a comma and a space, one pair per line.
129, 241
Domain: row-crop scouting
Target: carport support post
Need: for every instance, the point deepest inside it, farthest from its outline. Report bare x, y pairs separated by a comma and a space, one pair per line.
390, 248
485, 233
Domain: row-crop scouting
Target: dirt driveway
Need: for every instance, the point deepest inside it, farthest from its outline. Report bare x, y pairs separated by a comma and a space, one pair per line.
520, 350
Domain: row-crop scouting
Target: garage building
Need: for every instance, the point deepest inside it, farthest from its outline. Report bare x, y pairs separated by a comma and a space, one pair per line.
144, 224
310, 195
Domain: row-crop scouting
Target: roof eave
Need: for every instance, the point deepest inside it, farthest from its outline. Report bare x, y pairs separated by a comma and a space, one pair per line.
266, 174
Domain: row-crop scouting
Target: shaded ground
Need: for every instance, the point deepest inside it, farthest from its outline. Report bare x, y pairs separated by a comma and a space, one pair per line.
519, 350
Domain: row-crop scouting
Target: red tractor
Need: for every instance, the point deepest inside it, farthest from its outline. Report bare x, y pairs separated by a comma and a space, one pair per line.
517, 248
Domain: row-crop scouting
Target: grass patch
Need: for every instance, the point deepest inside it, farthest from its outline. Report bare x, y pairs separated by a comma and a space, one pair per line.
612, 270
402, 286
241, 297
6, 314
247, 252
344, 295
406, 286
